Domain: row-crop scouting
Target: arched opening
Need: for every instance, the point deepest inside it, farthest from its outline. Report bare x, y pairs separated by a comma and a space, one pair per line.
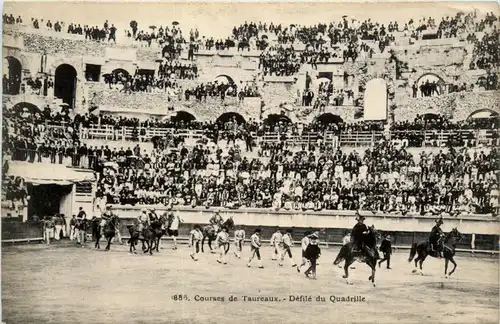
25, 107
483, 114
120, 73
231, 117
484, 119
65, 84
12, 79
329, 118
224, 79
431, 116
183, 116
274, 119
430, 84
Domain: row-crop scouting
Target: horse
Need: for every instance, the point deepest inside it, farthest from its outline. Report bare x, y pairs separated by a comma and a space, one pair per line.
148, 237
159, 229
368, 254
109, 231
422, 250
210, 233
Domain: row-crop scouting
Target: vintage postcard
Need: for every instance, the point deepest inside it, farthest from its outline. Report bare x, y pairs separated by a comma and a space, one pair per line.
250, 162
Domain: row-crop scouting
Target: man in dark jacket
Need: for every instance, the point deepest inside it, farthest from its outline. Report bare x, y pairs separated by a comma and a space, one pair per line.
386, 249
312, 254
358, 232
435, 237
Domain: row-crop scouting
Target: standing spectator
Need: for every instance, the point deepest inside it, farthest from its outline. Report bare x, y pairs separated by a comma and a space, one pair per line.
72, 228
48, 229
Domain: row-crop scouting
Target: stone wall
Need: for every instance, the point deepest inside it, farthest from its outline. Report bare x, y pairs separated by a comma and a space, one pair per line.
159, 104
457, 106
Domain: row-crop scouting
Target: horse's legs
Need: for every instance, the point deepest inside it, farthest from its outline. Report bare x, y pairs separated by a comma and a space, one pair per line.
109, 243
152, 245
158, 239
347, 263
202, 243
454, 265
422, 259
373, 265
445, 266
210, 244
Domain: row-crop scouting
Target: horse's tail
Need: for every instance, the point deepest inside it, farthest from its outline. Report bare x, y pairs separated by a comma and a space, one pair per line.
413, 251
340, 256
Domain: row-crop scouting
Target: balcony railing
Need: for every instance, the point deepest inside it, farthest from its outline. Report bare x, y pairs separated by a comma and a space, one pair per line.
422, 138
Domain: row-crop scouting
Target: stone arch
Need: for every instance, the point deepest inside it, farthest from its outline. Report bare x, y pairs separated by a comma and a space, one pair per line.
226, 79
276, 118
329, 118
120, 70
183, 116
13, 70
430, 75
228, 116
483, 113
65, 84
25, 106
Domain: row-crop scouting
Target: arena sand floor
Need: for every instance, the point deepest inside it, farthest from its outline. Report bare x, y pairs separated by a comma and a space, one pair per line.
66, 284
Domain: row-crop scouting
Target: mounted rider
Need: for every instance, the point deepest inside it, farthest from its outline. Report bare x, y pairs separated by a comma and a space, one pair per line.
142, 220
216, 221
106, 217
436, 237
358, 232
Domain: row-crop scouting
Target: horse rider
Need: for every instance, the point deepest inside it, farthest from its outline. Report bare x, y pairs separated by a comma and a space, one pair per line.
358, 232
216, 221
142, 220
435, 238
105, 217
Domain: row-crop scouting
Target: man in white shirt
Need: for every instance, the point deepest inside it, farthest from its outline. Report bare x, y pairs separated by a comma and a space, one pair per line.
222, 240
173, 229
303, 244
196, 237
255, 247
277, 243
287, 245
239, 239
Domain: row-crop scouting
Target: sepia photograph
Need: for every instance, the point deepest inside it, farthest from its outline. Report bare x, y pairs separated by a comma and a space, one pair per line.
250, 162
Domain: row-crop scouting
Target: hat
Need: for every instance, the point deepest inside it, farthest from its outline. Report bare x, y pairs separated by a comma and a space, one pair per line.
439, 221
314, 236
257, 230
108, 206
360, 217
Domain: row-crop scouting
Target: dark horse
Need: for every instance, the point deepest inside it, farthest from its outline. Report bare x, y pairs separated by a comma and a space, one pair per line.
210, 233
148, 238
109, 231
159, 229
368, 254
422, 249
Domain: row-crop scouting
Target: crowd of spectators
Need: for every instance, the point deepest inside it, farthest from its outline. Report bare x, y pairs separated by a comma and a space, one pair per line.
39, 136
384, 179
280, 61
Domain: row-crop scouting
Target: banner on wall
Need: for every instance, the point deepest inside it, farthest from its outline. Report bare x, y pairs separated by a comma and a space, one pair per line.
375, 100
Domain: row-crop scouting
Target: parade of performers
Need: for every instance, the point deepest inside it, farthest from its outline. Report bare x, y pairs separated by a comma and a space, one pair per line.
362, 243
